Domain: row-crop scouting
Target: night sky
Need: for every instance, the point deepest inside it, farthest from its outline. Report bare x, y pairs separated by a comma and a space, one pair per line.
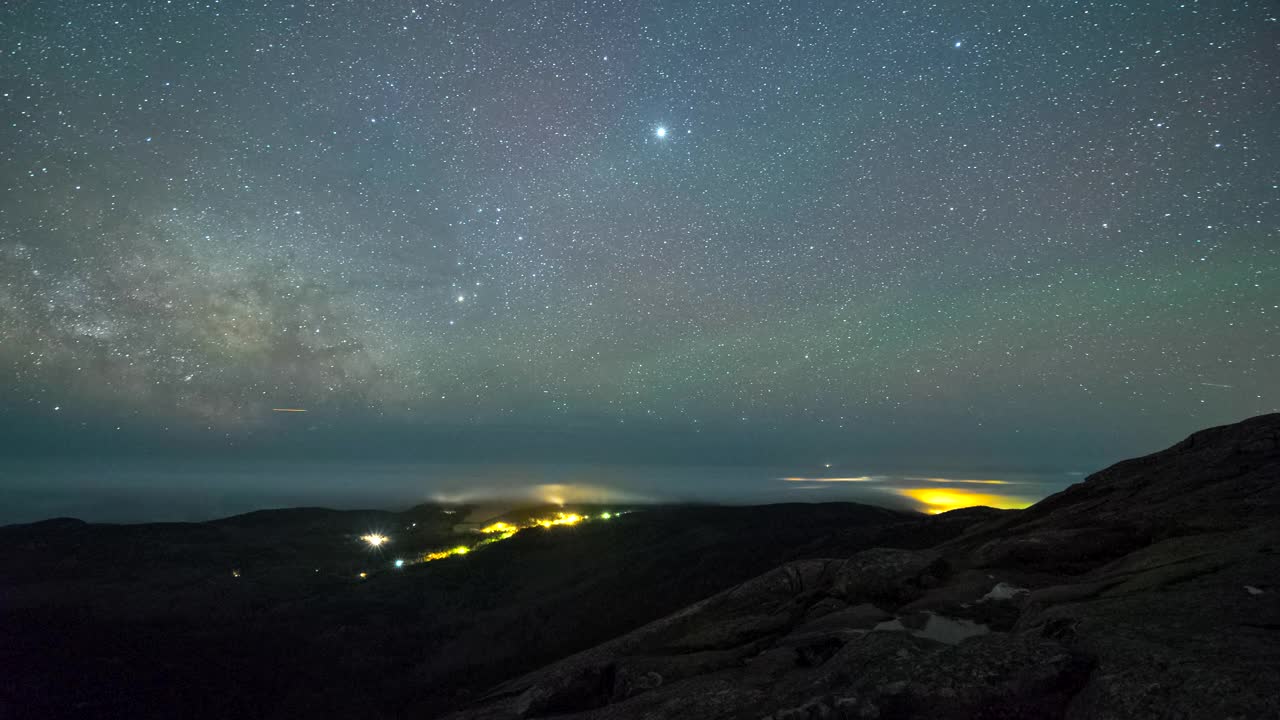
645, 238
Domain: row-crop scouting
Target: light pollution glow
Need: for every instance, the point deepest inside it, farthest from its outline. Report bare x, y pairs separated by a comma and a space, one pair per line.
550, 493
962, 482
940, 500
863, 478
932, 500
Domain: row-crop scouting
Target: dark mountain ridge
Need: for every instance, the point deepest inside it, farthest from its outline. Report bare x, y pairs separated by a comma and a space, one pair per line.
264, 615
1145, 591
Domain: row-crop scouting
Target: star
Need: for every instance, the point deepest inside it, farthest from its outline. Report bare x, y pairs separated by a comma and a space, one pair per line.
848, 197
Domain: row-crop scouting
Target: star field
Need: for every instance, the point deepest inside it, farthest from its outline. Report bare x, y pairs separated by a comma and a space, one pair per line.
757, 232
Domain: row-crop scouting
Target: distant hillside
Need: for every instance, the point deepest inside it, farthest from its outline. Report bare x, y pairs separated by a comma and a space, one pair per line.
150, 620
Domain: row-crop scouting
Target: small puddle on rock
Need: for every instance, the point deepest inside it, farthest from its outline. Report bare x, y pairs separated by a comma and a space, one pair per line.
938, 627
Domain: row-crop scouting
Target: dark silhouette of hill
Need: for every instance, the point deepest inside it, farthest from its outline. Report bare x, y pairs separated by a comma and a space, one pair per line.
149, 620
1146, 591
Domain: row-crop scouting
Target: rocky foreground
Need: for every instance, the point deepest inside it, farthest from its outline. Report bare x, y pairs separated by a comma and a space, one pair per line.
1146, 591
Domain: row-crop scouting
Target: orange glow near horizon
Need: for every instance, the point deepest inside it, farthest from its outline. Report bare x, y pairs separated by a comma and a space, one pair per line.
860, 479
963, 482
940, 500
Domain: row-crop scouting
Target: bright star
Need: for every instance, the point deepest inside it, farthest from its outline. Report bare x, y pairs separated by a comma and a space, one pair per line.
958, 43
661, 132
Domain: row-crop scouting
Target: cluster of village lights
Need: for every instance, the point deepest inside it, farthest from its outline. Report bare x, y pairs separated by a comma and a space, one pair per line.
494, 532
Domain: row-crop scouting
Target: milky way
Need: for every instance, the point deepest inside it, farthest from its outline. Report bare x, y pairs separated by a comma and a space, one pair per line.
699, 231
